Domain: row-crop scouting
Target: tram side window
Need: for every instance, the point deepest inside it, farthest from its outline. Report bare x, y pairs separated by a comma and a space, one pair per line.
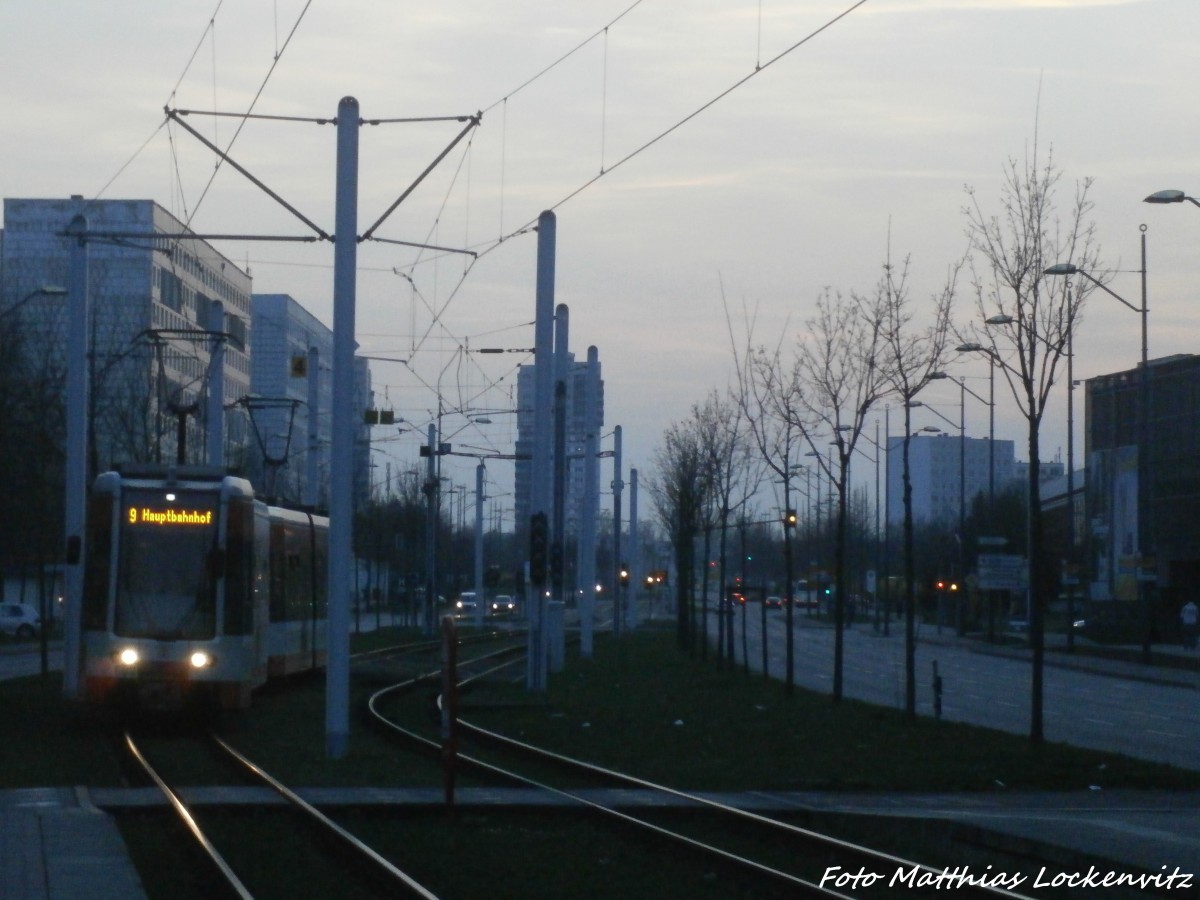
297, 578
239, 568
98, 563
278, 573
321, 570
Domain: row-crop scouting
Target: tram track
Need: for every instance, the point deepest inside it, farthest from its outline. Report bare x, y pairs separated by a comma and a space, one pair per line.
794, 861
393, 880
828, 860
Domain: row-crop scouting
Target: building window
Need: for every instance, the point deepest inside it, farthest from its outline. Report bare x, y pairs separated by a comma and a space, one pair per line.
170, 290
236, 327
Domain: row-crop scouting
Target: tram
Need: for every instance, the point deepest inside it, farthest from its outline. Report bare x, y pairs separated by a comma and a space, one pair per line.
196, 592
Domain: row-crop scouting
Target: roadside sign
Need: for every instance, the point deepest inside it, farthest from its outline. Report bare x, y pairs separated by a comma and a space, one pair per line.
1002, 571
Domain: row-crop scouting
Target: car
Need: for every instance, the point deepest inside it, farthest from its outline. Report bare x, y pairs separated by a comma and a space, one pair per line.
773, 602
19, 620
466, 602
503, 604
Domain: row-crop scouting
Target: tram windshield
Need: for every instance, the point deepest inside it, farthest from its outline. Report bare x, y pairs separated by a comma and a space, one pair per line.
165, 587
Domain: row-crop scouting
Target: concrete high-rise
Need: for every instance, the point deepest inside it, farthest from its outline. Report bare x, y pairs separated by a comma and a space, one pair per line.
151, 291
576, 435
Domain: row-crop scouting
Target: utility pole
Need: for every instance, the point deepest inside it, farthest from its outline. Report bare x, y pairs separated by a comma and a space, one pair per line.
635, 550
591, 485
341, 494
75, 513
540, 476
214, 418
617, 486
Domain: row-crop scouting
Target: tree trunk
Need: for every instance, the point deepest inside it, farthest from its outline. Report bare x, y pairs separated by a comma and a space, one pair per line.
1037, 589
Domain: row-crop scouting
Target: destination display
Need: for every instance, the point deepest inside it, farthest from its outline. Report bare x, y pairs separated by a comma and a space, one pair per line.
145, 515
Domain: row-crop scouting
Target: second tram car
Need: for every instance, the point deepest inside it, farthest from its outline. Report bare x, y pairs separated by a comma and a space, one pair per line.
196, 591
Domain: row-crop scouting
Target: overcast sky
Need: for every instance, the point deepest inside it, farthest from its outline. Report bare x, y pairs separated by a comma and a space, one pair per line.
790, 183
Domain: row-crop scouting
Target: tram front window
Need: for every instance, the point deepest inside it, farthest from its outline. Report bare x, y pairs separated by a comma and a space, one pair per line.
165, 587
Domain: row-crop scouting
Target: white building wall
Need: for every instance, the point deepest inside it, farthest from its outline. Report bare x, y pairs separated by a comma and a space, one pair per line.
575, 438
283, 331
150, 293
934, 466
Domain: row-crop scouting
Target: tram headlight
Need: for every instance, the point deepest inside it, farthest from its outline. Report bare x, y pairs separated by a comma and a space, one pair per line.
200, 660
128, 657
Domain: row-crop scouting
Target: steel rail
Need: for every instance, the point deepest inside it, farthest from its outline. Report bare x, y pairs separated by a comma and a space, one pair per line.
827, 840
312, 812
858, 850
189, 821
808, 887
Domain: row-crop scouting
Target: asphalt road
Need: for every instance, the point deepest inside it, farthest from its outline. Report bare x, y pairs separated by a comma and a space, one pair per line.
1143, 711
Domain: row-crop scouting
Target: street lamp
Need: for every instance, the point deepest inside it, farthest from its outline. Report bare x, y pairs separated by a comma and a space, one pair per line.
975, 347
1170, 197
1143, 431
45, 290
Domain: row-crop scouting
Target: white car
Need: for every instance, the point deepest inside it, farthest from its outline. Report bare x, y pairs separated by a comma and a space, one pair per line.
503, 604
19, 620
465, 603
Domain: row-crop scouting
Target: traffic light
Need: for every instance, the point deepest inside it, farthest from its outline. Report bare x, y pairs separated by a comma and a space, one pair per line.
539, 546
789, 519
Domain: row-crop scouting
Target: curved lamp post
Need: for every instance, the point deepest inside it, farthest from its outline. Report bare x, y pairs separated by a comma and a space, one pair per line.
1170, 197
1143, 429
45, 290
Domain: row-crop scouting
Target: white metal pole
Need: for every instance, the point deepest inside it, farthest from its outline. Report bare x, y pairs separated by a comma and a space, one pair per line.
635, 550
75, 511
215, 415
591, 488
312, 476
543, 380
617, 485
341, 500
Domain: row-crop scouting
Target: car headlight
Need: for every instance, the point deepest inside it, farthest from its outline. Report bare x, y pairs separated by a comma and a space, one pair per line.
200, 660
128, 657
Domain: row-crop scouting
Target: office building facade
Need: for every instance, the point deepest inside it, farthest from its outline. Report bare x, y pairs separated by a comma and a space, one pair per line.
1143, 486
161, 303
578, 383
935, 462
151, 290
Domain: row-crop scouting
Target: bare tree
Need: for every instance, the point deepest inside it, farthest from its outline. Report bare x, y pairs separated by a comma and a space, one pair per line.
915, 356
769, 399
1032, 319
841, 372
731, 478
678, 489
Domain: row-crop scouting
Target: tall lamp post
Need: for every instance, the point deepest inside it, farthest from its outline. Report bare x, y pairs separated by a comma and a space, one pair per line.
1146, 521
963, 390
975, 347
1170, 197
938, 376
45, 290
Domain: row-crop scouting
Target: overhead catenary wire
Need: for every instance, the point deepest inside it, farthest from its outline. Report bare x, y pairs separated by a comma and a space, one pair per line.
554, 65
438, 310
528, 226
758, 69
249, 109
